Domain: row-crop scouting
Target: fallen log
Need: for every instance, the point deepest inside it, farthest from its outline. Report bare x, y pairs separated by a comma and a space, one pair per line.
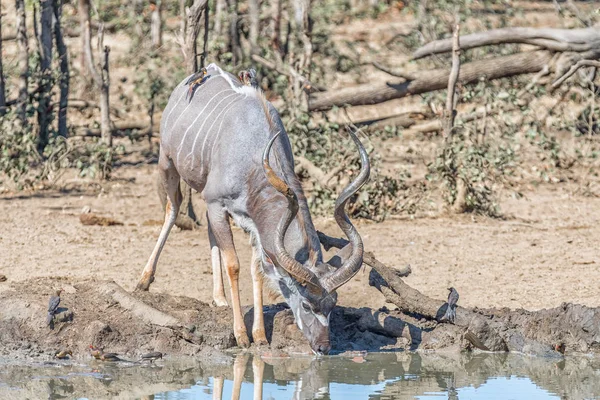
119, 127
372, 93
570, 327
578, 40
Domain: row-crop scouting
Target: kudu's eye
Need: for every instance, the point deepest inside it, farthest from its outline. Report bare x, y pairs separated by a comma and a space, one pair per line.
306, 307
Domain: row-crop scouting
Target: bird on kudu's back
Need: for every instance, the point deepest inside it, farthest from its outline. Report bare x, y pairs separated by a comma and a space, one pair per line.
248, 78
53, 304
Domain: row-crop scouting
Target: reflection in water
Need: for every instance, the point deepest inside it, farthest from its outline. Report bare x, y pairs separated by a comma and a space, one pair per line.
380, 376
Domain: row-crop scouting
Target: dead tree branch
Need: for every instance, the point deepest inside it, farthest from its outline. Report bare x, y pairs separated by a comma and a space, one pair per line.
452, 79
372, 93
573, 69
578, 40
389, 71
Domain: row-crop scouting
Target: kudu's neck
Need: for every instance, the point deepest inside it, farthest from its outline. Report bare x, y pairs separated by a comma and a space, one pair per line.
266, 207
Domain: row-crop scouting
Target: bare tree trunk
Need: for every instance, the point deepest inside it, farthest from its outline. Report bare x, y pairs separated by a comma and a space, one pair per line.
105, 127
254, 19
460, 202
205, 41
234, 34
156, 24
193, 15
87, 63
187, 218
44, 108
276, 26
218, 26
64, 71
23, 51
183, 21
2, 88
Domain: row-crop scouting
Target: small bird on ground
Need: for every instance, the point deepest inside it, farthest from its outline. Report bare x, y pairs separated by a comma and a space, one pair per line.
63, 354
450, 314
152, 356
248, 78
53, 304
196, 80
99, 354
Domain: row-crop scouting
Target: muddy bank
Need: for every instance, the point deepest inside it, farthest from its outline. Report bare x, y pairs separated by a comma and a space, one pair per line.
102, 314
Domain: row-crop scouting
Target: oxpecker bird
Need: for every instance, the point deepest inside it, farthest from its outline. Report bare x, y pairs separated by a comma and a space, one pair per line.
450, 314
53, 304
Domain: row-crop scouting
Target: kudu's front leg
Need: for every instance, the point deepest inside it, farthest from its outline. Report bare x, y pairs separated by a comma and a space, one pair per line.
258, 325
221, 229
215, 256
169, 179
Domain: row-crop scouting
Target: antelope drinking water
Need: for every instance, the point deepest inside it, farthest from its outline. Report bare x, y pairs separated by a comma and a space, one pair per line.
228, 143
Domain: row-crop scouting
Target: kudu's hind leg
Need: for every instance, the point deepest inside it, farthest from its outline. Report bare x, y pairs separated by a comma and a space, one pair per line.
258, 325
215, 255
169, 179
219, 221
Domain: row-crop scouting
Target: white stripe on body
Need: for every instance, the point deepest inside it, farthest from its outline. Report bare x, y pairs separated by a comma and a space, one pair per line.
202, 126
222, 113
217, 136
195, 119
178, 101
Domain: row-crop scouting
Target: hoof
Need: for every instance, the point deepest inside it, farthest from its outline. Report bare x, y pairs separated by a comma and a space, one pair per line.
242, 340
144, 285
259, 338
219, 303
261, 342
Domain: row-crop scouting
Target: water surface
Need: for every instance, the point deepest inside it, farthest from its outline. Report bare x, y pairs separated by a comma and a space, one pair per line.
375, 376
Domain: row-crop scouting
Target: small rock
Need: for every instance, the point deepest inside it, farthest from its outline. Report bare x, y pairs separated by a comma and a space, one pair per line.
2, 278
86, 210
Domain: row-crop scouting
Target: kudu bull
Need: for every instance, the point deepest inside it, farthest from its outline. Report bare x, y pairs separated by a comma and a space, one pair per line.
218, 138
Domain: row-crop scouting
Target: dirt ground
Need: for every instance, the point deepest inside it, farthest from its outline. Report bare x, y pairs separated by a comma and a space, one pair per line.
544, 253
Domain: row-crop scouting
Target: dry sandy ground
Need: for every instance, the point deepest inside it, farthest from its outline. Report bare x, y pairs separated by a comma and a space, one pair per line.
544, 254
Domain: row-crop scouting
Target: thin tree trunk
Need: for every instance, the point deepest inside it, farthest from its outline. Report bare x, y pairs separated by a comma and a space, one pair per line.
86, 61
453, 78
218, 26
183, 21
44, 108
2, 88
193, 15
276, 26
23, 51
156, 24
64, 70
187, 218
205, 41
254, 19
106, 130
234, 35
